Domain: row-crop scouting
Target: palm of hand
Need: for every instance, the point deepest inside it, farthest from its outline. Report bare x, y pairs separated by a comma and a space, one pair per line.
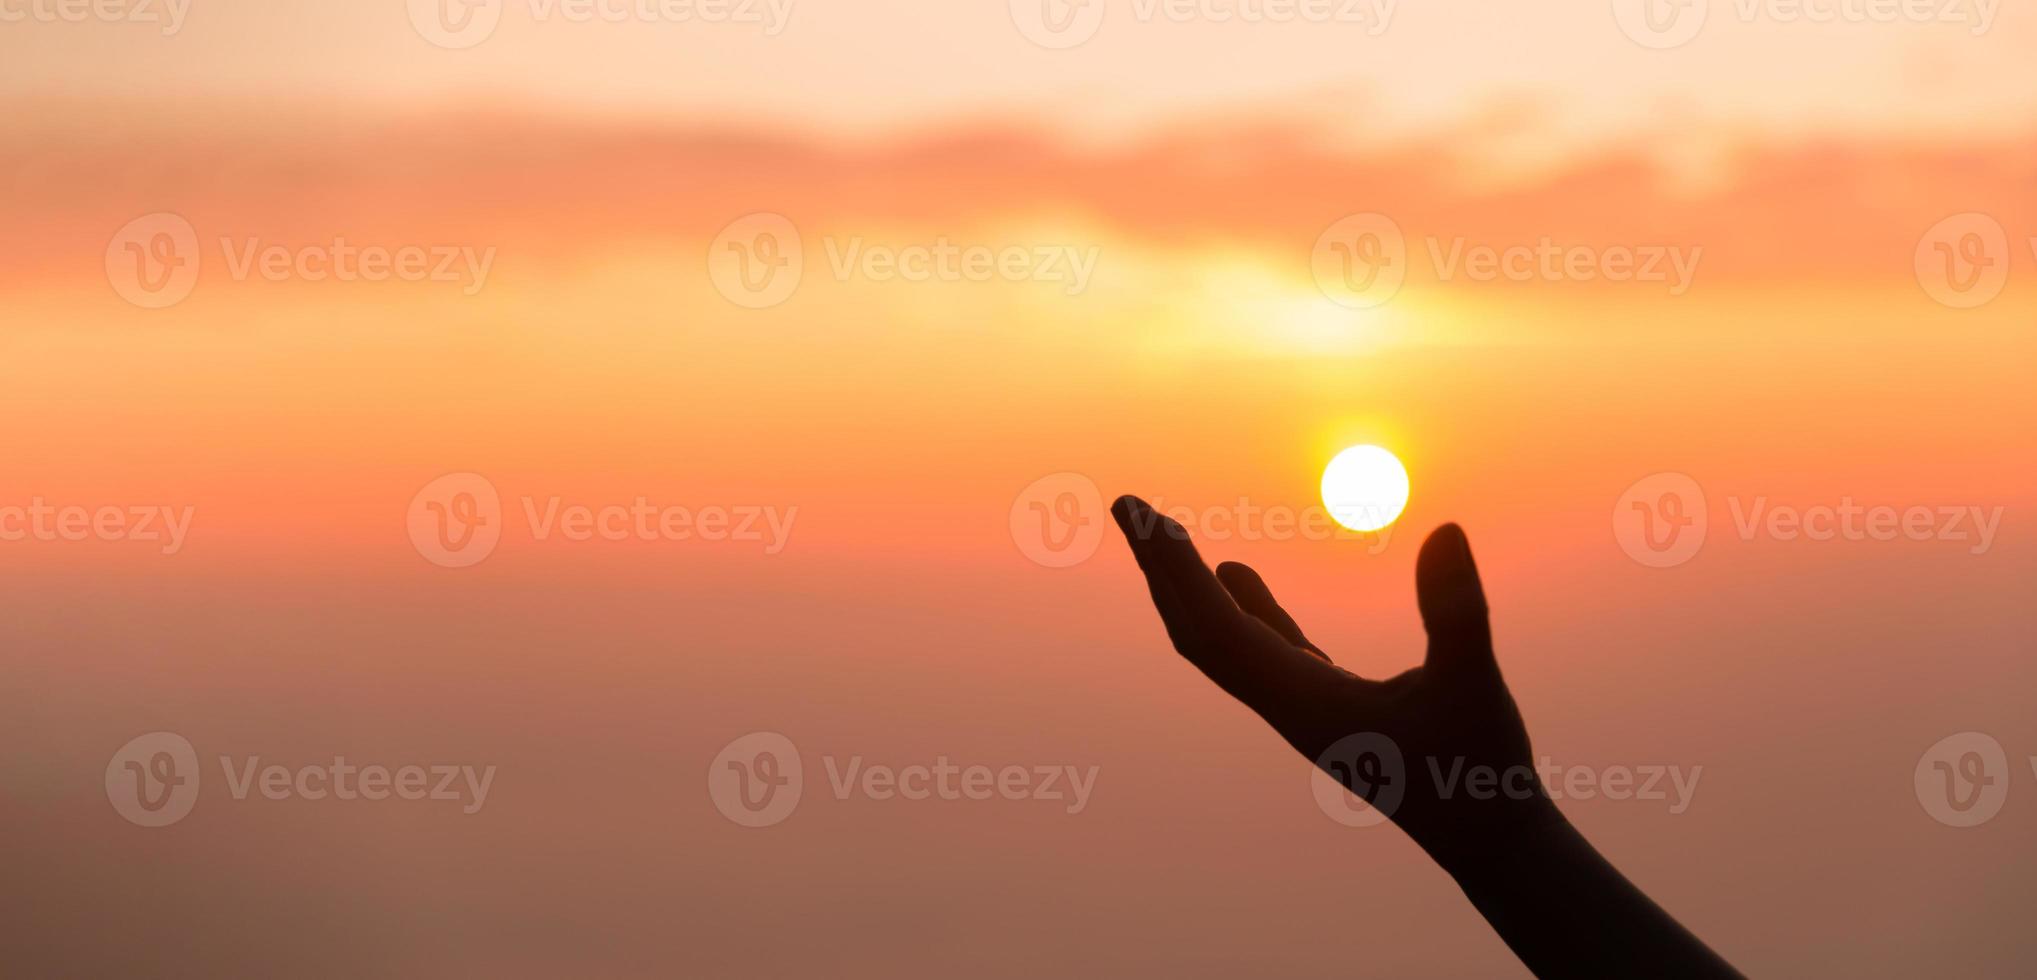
1465, 767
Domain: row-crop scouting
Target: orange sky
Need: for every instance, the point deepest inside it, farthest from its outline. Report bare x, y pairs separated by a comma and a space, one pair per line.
1801, 167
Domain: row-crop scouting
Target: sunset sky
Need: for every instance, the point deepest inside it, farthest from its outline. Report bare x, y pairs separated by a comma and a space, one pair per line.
1809, 352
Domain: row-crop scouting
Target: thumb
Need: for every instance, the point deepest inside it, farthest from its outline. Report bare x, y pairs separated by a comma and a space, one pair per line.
1452, 601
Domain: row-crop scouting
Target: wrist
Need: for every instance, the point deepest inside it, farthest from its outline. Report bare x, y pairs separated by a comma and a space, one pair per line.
1501, 842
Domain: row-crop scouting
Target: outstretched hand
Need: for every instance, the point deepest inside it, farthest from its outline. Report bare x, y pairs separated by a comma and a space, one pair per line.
1468, 792
1450, 717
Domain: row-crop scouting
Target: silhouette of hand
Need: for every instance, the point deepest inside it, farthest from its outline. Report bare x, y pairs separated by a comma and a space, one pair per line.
1468, 790
1452, 719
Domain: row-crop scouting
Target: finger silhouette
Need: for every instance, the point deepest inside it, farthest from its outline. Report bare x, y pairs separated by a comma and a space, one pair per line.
1160, 544
1244, 656
1452, 601
1249, 590
1172, 616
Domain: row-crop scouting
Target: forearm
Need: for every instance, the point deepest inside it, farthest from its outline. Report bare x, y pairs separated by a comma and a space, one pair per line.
1566, 911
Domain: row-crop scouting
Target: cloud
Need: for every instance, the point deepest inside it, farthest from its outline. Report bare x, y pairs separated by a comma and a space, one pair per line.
1764, 209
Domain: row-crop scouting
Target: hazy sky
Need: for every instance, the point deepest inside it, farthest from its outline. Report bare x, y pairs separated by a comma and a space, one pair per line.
1357, 67
585, 181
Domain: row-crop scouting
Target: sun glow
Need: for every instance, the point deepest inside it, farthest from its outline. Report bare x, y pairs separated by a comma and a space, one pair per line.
1365, 488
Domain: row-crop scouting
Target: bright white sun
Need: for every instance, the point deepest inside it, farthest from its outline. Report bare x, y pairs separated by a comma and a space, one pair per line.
1365, 488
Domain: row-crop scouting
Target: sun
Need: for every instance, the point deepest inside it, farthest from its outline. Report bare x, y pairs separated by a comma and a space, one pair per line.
1365, 488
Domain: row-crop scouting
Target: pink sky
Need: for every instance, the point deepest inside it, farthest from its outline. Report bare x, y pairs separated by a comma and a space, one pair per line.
1807, 363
